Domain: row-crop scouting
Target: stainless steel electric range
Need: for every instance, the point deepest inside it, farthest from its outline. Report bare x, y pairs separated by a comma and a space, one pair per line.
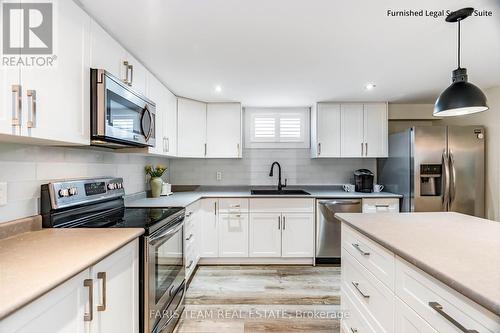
99, 203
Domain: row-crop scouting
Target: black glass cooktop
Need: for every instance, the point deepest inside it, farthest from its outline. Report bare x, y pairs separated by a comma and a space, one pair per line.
146, 218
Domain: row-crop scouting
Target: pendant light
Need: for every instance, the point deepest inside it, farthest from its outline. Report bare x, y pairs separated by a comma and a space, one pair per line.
461, 97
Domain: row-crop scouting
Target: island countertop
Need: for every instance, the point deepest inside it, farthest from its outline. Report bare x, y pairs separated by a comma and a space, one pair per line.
459, 250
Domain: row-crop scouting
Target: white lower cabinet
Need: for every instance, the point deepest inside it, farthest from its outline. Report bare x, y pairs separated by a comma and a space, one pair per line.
88, 302
233, 235
297, 235
209, 228
265, 235
380, 205
405, 301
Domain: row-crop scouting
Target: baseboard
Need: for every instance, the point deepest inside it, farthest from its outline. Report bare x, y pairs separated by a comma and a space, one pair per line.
256, 261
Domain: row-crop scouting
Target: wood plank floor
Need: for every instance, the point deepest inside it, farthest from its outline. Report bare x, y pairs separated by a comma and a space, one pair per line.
257, 299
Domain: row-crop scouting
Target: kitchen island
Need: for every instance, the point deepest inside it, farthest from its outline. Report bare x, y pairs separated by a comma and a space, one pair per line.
414, 270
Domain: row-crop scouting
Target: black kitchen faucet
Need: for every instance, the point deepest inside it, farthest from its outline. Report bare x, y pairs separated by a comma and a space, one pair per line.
280, 186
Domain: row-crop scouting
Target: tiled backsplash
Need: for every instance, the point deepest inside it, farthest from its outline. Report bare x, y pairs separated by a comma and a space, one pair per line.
253, 169
25, 168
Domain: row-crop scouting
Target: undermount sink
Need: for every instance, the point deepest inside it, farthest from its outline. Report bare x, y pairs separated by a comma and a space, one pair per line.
277, 192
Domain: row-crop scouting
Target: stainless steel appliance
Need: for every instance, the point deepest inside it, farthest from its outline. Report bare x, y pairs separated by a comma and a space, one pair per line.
363, 180
120, 117
436, 168
328, 242
98, 203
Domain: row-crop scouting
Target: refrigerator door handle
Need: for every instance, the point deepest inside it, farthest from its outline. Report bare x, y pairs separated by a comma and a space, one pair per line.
453, 177
446, 182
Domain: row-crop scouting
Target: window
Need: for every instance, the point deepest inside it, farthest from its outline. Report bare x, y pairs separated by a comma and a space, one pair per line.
277, 127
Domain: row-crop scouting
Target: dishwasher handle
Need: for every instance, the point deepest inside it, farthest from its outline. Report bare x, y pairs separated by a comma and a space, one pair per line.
340, 202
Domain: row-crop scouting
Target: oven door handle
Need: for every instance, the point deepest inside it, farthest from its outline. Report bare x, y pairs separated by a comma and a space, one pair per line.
169, 231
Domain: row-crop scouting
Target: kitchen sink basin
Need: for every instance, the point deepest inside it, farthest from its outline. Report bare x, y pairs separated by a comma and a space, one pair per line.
282, 192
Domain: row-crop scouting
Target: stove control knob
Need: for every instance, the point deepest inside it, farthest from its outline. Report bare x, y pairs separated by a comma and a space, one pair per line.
72, 191
111, 186
119, 185
63, 193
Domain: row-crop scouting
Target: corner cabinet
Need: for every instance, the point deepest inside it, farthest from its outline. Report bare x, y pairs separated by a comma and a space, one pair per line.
349, 130
103, 298
208, 130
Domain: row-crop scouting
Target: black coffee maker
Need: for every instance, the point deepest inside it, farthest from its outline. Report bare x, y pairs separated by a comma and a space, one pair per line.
363, 180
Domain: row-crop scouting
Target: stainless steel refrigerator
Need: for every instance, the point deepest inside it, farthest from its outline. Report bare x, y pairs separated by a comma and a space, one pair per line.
436, 168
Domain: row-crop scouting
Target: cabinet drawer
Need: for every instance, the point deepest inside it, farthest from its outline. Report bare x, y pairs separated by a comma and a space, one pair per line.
378, 260
354, 321
408, 321
375, 299
432, 300
289, 205
233, 205
381, 205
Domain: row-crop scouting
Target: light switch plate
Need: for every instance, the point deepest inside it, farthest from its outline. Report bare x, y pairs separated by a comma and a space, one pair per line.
219, 175
3, 193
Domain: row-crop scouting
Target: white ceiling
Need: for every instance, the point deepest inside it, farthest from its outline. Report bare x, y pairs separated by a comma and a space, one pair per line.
297, 52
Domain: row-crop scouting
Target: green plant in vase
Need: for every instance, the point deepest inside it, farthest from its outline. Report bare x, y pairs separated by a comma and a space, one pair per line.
155, 182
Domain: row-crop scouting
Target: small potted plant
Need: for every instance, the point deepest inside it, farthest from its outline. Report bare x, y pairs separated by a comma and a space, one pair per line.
155, 182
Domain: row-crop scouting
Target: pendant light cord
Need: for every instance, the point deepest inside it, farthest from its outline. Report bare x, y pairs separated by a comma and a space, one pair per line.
459, 43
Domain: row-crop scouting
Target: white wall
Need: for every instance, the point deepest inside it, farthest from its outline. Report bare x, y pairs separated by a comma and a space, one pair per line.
491, 121
26, 167
253, 169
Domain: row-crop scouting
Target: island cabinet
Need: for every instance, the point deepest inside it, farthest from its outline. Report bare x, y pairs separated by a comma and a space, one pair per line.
102, 298
384, 293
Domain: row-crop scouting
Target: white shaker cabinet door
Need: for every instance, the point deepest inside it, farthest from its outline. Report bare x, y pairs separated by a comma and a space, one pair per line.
375, 130
408, 321
328, 129
61, 310
170, 124
137, 75
209, 229
352, 130
57, 99
265, 235
106, 53
116, 291
191, 129
233, 235
157, 94
298, 235
223, 130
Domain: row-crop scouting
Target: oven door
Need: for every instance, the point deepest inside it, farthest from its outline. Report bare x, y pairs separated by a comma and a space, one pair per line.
121, 115
165, 271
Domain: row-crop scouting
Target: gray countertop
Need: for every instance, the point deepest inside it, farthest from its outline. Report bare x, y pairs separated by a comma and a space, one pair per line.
183, 199
459, 250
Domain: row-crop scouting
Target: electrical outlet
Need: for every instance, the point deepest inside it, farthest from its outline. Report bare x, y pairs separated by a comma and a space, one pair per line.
219, 176
3, 194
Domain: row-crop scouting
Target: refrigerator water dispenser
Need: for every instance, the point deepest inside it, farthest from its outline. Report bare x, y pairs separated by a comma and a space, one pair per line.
430, 180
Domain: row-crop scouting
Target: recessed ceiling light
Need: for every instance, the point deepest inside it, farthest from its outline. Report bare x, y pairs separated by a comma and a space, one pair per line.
218, 89
370, 86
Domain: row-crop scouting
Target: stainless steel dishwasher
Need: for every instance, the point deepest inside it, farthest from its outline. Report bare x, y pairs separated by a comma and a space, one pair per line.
328, 227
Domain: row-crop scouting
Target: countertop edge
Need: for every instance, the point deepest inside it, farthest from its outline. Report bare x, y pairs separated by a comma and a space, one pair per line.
15, 306
488, 304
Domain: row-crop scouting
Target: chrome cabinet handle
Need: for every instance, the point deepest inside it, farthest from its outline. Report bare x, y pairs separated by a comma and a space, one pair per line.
205, 149
366, 148
356, 246
189, 214
16, 107
190, 264
279, 222
356, 285
102, 306
319, 148
284, 222
215, 208
88, 316
189, 238
235, 206
164, 144
32, 109
353, 330
131, 67
362, 150
168, 145
238, 149
439, 309
126, 64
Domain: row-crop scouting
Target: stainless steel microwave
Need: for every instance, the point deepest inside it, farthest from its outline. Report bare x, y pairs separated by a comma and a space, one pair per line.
120, 117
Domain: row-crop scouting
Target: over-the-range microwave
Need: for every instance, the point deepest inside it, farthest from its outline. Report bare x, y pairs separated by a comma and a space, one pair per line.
120, 117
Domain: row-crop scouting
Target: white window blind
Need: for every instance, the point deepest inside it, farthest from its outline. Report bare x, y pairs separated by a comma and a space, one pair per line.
277, 127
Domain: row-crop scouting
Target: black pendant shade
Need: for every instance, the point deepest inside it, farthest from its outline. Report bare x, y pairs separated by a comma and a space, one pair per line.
461, 97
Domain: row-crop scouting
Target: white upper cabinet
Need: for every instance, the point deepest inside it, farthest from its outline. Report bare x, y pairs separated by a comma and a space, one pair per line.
349, 130
352, 130
106, 52
136, 75
170, 125
375, 130
327, 129
192, 126
223, 130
